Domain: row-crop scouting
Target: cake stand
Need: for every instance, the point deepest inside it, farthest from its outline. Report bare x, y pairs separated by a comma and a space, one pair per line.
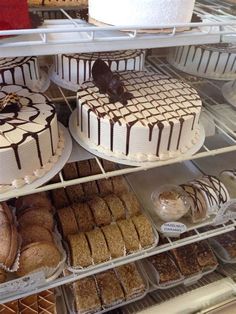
81, 142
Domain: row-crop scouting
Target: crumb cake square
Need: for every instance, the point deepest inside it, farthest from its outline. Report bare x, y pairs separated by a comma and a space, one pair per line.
119, 184
98, 246
144, 229
105, 186
67, 221
100, 211
109, 288
84, 168
95, 169
90, 188
131, 204
205, 256
70, 171
130, 235
83, 217
116, 206
114, 240
59, 198
75, 193
79, 250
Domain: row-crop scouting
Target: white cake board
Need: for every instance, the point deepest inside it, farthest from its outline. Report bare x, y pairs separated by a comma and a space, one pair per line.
50, 174
229, 93
73, 131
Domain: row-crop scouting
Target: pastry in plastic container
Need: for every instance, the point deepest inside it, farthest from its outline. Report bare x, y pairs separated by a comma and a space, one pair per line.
86, 296
116, 206
80, 255
110, 290
163, 271
224, 247
170, 202
205, 257
131, 280
186, 259
114, 240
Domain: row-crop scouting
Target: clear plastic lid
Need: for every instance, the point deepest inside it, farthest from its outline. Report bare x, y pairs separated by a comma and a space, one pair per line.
170, 202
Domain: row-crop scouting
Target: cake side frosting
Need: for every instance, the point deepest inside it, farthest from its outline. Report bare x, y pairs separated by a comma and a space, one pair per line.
161, 121
71, 70
21, 71
205, 61
29, 138
144, 13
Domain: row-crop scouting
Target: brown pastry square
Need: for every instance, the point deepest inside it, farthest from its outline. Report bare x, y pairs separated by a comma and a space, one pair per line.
105, 186
114, 240
70, 171
108, 165
186, 259
131, 280
84, 216
75, 193
144, 229
86, 295
90, 188
205, 256
98, 246
130, 235
116, 206
131, 204
47, 302
109, 288
166, 268
95, 169
119, 184
79, 250
84, 168
67, 221
59, 198
100, 211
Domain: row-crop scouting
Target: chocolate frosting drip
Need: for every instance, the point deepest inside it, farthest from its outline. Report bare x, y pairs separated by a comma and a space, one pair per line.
158, 101
16, 121
198, 205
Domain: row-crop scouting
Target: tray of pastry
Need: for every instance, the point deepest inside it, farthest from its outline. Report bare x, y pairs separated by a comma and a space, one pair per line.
48, 301
101, 221
107, 290
41, 256
224, 247
185, 265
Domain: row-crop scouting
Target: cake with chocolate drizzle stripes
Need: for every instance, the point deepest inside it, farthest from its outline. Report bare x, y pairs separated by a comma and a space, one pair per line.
30, 142
206, 194
156, 117
216, 62
71, 70
23, 71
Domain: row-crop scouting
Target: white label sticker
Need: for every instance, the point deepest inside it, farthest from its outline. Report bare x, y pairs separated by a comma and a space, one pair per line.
226, 212
173, 228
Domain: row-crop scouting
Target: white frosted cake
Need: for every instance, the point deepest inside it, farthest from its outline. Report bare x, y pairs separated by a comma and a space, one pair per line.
229, 93
209, 61
141, 12
23, 71
30, 142
161, 121
69, 71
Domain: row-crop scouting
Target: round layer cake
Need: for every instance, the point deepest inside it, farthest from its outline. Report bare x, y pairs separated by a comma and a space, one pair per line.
229, 93
141, 12
69, 71
23, 71
209, 61
30, 143
160, 121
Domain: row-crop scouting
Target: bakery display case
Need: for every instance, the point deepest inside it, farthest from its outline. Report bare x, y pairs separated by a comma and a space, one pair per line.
97, 232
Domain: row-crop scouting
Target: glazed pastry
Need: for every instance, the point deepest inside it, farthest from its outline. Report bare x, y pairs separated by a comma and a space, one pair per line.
186, 260
105, 186
37, 216
67, 221
84, 168
109, 288
205, 257
144, 230
86, 295
116, 206
79, 250
167, 271
59, 198
75, 193
100, 211
114, 240
70, 171
35, 233
83, 217
130, 235
119, 184
36, 256
131, 280
131, 204
98, 246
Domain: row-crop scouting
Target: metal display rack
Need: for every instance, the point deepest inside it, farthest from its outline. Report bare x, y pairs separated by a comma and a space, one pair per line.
71, 35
